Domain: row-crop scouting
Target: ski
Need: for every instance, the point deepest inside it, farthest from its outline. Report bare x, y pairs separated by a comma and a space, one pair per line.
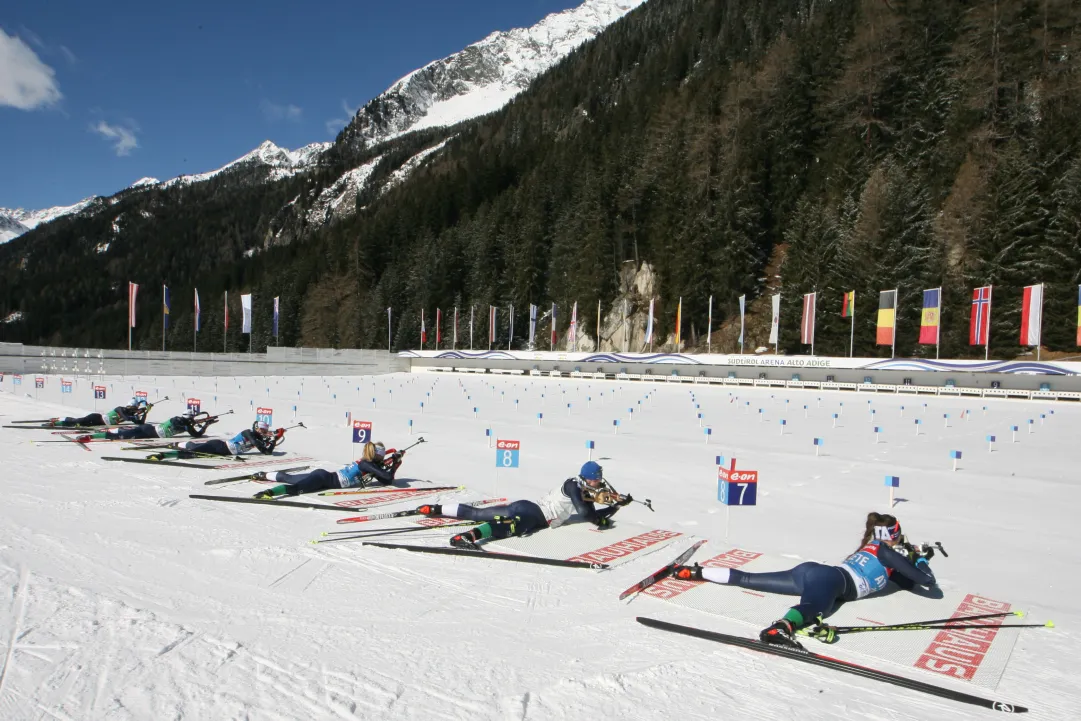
173, 464
265, 501
487, 554
403, 514
392, 490
246, 476
800, 654
663, 573
401, 528
387, 532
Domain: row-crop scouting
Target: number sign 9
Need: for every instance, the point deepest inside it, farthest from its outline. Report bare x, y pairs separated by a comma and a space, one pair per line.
506, 453
362, 431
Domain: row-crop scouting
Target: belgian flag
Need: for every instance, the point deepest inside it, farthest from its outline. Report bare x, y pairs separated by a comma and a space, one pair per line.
887, 317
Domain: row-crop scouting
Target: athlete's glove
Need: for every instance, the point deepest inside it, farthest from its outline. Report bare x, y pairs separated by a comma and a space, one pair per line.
925, 553
625, 500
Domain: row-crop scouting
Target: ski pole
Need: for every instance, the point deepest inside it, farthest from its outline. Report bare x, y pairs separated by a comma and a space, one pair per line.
851, 629
391, 490
926, 627
353, 536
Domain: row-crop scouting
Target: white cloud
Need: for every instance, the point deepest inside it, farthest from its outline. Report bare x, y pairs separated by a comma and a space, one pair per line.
123, 137
26, 83
275, 112
336, 124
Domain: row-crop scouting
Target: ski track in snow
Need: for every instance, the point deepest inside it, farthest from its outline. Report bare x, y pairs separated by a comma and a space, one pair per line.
124, 599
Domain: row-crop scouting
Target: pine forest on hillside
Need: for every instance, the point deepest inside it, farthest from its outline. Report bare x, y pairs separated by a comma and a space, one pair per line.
852, 144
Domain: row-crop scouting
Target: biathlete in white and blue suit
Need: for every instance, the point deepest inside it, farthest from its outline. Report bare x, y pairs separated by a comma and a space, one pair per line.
821, 588
574, 497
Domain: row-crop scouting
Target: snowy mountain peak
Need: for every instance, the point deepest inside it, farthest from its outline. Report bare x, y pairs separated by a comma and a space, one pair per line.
143, 182
483, 77
15, 222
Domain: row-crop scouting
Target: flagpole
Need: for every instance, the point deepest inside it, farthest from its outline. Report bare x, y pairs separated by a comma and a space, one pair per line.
598, 325
129, 316
1041, 322
852, 327
626, 333
987, 340
163, 318
938, 330
709, 328
510, 333
896, 308
388, 328
195, 328
814, 306
225, 335
471, 327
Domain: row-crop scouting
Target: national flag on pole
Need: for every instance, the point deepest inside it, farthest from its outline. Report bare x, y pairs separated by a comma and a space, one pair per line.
196, 310
226, 311
848, 305
649, 323
454, 338
775, 324
165, 306
679, 321
574, 326
887, 317
423, 330
532, 323
438, 327
553, 325
742, 315
980, 325
1031, 314
491, 324
245, 307
276, 316
1079, 315
929, 322
133, 290
807, 324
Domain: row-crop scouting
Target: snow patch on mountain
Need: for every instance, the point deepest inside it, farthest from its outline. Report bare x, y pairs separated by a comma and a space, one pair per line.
16, 221
410, 165
283, 162
483, 77
143, 182
339, 198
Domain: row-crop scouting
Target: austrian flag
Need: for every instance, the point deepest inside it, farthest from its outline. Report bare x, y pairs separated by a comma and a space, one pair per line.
1031, 315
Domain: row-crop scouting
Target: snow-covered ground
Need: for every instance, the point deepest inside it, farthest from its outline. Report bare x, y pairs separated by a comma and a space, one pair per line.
121, 598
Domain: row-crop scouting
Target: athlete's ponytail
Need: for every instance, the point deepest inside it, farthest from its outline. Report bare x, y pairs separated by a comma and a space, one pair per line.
875, 519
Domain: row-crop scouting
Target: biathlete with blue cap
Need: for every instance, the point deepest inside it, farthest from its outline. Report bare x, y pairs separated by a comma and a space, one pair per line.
823, 588
574, 497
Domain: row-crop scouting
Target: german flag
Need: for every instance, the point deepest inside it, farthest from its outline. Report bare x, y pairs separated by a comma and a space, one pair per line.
887, 317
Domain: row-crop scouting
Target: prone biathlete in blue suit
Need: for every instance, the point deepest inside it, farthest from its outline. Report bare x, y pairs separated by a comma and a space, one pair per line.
375, 465
574, 497
820, 587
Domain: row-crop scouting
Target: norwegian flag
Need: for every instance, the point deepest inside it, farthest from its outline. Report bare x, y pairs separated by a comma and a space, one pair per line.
980, 325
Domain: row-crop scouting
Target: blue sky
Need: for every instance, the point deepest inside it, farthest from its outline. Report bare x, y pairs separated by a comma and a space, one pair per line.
94, 97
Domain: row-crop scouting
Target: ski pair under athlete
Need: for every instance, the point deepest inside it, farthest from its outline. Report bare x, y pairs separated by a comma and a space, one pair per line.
575, 497
823, 588
376, 465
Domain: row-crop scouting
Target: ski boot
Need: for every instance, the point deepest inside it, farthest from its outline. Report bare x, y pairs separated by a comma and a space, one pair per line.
688, 573
466, 541
780, 633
